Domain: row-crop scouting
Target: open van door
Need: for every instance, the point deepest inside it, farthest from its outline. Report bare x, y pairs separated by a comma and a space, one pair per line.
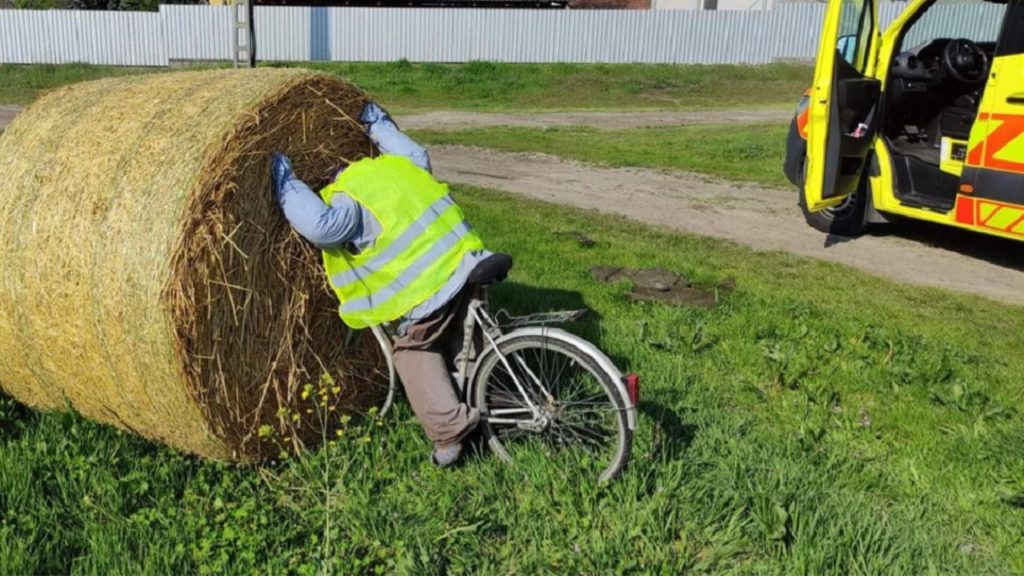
844, 103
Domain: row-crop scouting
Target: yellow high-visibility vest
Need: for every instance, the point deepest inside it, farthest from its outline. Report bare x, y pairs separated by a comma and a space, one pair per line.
423, 239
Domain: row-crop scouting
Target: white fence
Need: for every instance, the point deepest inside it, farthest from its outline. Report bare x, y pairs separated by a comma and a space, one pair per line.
790, 31
63, 36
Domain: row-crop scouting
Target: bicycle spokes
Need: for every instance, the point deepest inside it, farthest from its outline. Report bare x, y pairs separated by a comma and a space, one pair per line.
573, 408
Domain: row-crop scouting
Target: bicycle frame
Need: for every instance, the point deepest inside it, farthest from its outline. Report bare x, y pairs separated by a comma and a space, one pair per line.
478, 317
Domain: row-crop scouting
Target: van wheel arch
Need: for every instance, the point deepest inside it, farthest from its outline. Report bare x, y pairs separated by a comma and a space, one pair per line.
846, 219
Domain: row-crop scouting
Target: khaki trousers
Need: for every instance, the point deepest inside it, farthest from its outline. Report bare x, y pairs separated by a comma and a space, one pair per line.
423, 359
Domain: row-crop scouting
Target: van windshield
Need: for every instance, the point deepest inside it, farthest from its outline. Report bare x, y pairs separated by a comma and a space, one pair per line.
976, 20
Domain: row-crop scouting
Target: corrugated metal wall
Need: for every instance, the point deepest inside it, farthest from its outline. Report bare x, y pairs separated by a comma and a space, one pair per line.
197, 32
62, 36
448, 35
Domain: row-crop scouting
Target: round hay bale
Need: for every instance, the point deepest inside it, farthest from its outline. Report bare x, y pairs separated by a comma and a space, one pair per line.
149, 279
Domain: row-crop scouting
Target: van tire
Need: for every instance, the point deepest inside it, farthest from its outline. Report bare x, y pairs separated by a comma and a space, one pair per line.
846, 219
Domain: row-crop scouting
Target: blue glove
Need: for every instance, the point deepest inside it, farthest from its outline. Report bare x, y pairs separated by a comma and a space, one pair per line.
389, 139
372, 113
280, 170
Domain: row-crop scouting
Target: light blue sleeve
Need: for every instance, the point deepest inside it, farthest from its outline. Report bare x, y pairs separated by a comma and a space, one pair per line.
391, 140
325, 226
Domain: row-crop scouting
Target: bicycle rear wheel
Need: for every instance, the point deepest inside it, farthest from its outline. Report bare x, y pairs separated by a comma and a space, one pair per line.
576, 404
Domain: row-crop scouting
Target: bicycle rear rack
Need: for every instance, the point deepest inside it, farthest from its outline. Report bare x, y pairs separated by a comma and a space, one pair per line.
506, 320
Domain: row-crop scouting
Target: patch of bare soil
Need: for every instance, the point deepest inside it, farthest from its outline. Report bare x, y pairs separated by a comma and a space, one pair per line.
661, 285
763, 218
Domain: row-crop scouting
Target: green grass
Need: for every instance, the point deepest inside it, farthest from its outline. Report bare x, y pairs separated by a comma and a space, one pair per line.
522, 87
744, 153
406, 87
818, 421
20, 84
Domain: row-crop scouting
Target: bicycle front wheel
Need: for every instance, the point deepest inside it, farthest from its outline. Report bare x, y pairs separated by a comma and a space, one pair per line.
377, 388
388, 378
551, 395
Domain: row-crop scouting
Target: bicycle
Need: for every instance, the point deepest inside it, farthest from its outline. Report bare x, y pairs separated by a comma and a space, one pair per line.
533, 382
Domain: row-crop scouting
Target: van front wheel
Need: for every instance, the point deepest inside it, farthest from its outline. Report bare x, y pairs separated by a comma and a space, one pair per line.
845, 219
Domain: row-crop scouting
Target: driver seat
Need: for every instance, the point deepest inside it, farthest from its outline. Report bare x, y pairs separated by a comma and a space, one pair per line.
956, 121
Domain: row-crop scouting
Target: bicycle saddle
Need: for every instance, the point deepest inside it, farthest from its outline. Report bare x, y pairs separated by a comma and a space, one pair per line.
494, 268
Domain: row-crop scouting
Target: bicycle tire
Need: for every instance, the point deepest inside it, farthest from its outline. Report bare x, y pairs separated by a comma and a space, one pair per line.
384, 342
486, 381
383, 383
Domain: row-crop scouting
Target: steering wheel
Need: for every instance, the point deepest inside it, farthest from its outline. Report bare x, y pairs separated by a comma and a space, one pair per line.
965, 61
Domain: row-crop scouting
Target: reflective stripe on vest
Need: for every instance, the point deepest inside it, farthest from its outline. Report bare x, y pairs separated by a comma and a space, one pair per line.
396, 247
422, 242
411, 273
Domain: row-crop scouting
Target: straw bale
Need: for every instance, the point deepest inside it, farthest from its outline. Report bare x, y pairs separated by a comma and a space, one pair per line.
148, 278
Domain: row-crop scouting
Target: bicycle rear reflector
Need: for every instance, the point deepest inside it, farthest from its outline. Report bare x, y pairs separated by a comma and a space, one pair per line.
633, 387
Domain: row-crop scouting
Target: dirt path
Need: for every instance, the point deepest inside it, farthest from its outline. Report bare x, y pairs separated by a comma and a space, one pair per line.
454, 120
762, 218
7, 113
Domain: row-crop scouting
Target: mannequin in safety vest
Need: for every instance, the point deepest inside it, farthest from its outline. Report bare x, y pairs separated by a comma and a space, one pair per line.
396, 248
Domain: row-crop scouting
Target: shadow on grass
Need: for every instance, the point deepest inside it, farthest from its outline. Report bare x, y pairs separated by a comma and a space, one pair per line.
14, 418
521, 299
992, 249
671, 436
